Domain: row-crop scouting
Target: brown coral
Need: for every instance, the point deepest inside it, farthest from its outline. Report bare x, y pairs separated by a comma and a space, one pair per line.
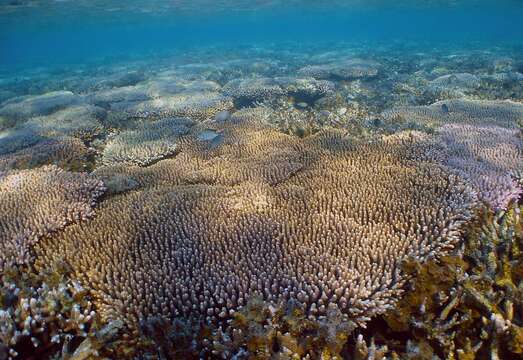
68, 153
468, 305
147, 143
506, 113
41, 313
197, 106
320, 234
34, 203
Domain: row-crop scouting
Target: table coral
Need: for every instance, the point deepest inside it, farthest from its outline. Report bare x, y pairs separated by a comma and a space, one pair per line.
487, 156
506, 113
65, 152
35, 203
206, 244
147, 143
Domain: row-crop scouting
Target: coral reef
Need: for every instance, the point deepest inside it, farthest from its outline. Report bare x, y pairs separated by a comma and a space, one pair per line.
452, 86
248, 91
165, 86
148, 143
507, 114
348, 69
239, 228
47, 315
264, 331
81, 121
41, 313
125, 94
199, 106
487, 157
12, 140
66, 152
35, 203
466, 307
29, 106
332, 201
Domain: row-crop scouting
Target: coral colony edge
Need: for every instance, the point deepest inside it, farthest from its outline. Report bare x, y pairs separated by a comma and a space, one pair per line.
276, 200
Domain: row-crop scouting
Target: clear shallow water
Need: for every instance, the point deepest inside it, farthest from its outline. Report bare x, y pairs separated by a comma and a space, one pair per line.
60, 32
308, 141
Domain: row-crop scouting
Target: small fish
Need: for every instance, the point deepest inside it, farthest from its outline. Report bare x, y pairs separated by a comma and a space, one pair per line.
445, 108
302, 105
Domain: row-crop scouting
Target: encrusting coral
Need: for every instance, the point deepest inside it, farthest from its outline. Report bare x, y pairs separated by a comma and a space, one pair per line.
35, 203
309, 234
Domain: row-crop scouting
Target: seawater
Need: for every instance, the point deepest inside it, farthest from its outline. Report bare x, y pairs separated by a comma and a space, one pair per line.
263, 179
42, 33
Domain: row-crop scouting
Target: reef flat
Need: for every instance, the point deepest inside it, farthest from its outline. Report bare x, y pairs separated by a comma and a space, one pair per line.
338, 201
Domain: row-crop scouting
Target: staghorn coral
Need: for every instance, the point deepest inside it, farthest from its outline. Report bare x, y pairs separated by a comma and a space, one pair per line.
203, 246
486, 156
264, 331
468, 305
41, 313
146, 144
35, 203
65, 152
507, 113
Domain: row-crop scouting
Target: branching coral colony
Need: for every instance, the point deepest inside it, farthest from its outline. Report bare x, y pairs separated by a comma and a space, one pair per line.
463, 306
458, 303
205, 231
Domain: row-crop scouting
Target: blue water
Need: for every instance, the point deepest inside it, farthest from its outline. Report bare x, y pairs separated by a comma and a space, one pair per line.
47, 33
155, 99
